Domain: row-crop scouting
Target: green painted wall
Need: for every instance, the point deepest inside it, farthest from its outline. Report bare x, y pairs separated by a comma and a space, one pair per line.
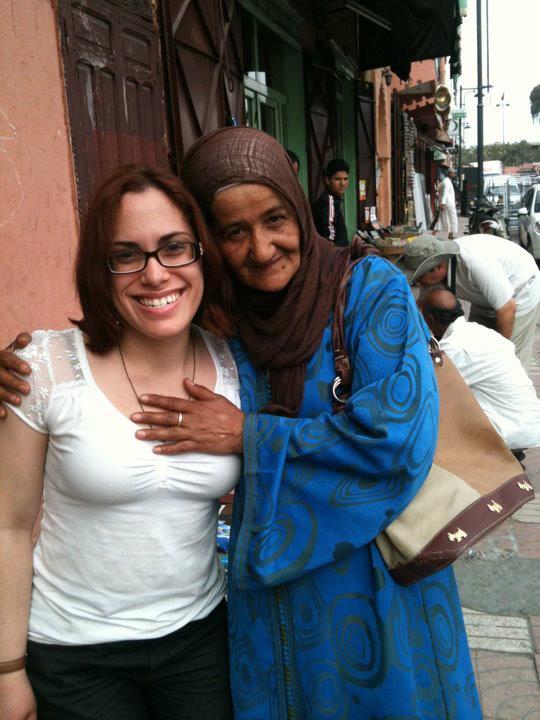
349, 152
295, 110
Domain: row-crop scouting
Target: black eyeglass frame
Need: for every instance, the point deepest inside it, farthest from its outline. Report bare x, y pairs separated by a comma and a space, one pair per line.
197, 251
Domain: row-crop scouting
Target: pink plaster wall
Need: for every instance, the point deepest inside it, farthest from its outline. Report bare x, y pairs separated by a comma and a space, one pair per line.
423, 71
383, 144
38, 220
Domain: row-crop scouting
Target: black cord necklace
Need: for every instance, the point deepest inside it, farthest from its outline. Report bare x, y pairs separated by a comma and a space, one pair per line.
131, 382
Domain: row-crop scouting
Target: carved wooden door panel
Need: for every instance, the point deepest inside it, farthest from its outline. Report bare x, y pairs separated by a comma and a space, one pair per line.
204, 54
321, 124
114, 87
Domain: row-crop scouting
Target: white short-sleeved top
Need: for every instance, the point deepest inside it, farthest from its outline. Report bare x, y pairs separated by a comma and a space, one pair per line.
492, 270
127, 548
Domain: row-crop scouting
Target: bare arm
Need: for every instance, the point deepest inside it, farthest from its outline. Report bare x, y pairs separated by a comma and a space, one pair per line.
504, 318
23, 451
12, 386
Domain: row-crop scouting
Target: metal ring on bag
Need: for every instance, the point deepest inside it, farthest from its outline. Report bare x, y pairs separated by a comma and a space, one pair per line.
335, 385
435, 351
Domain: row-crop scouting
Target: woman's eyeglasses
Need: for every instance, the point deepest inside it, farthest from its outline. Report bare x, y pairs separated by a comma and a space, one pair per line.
174, 254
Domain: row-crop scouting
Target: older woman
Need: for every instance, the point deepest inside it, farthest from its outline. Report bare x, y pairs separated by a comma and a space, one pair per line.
318, 627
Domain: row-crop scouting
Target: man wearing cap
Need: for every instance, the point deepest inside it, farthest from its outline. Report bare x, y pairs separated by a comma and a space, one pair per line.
499, 278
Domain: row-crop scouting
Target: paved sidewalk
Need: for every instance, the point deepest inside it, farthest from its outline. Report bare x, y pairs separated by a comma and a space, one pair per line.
500, 591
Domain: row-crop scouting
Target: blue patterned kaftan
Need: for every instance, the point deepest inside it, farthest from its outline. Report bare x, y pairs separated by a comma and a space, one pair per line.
318, 628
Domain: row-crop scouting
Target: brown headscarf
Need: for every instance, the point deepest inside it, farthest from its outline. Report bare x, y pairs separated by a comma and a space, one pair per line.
282, 330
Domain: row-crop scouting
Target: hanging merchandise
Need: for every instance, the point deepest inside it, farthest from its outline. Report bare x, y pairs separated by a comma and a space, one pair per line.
362, 193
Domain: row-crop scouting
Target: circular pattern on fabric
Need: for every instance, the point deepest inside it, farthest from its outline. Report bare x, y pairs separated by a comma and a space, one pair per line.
355, 489
288, 543
310, 618
358, 638
249, 680
389, 325
315, 435
445, 623
325, 697
402, 392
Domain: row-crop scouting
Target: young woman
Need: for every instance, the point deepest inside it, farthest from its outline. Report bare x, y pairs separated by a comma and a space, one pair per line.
124, 606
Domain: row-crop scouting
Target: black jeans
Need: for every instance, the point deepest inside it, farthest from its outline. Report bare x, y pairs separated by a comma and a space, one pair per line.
182, 676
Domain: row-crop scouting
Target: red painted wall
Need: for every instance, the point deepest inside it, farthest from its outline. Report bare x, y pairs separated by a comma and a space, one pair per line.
38, 219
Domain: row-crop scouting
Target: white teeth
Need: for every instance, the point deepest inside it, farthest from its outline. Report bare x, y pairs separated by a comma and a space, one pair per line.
159, 302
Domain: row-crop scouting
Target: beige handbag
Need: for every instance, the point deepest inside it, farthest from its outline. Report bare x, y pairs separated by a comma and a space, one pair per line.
474, 484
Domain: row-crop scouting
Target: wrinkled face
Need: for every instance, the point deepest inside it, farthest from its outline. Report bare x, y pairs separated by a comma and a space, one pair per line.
259, 235
435, 276
338, 183
157, 302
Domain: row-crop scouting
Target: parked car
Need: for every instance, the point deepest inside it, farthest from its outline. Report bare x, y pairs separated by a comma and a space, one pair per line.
529, 221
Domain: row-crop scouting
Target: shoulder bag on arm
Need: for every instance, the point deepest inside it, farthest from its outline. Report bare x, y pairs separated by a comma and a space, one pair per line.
474, 484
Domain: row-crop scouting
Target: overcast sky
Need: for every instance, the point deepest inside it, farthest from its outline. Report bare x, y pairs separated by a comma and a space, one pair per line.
514, 28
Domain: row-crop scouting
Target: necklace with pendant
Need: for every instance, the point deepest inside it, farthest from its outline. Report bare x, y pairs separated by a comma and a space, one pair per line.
131, 382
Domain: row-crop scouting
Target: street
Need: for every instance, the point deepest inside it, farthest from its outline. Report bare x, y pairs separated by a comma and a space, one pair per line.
499, 584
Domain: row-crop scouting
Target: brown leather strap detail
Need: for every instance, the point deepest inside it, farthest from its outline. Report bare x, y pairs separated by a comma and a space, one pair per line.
12, 665
359, 250
466, 529
341, 357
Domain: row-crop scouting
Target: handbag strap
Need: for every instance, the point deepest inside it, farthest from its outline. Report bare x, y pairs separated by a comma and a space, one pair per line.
341, 386
342, 382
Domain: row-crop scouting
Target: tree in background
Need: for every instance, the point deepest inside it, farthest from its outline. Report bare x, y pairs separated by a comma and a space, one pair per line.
510, 153
534, 97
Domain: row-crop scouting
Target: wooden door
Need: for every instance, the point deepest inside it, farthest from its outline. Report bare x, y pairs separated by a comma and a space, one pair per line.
114, 87
203, 44
322, 123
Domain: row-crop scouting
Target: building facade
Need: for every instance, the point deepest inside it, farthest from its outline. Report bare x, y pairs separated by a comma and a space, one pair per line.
107, 82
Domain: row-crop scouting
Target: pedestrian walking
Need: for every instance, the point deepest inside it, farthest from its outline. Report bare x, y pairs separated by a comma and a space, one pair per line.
448, 219
318, 626
328, 208
498, 277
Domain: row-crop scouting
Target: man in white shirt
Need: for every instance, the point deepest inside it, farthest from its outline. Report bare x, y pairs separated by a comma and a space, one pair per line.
488, 364
448, 219
499, 278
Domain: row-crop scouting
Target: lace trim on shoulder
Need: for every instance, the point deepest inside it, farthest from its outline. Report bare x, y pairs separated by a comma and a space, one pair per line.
55, 363
64, 357
34, 406
227, 365
226, 360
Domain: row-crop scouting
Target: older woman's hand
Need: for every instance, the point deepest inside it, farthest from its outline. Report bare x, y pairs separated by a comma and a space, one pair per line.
11, 386
209, 423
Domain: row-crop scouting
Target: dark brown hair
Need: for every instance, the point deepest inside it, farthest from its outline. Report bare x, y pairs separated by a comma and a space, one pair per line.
101, 323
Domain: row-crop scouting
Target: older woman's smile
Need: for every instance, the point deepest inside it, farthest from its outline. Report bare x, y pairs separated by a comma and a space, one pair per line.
259, 235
